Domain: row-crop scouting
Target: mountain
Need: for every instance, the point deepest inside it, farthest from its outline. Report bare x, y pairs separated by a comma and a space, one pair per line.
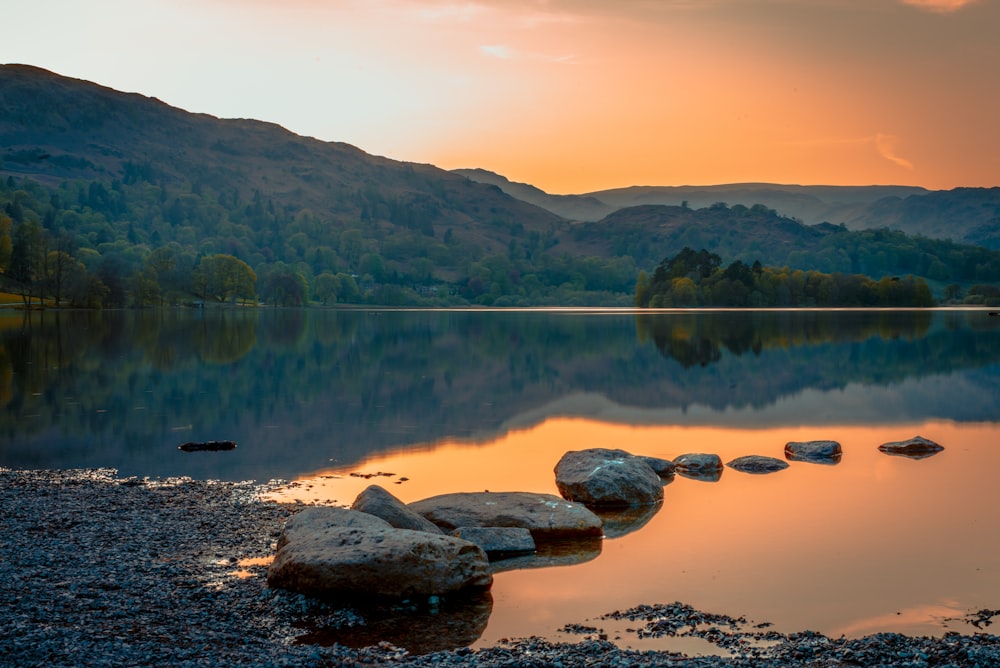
113, 199
965, 215
54, 128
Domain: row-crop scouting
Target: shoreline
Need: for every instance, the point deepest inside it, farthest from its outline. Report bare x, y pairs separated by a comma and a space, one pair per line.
113, 571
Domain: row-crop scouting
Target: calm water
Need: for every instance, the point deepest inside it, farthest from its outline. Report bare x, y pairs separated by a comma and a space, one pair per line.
465, 401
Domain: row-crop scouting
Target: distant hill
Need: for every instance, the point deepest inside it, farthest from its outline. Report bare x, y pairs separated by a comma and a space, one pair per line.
965, 215
112, 198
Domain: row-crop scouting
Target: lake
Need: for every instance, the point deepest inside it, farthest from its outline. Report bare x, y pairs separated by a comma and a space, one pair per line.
428, 402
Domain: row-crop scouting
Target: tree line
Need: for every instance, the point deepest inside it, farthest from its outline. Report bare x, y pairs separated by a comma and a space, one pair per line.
697, 278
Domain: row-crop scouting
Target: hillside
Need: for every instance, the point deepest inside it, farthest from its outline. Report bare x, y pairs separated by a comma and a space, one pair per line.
116, 199
964, 215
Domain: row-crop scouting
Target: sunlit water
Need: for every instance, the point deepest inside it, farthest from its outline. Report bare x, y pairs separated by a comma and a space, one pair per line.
429, 403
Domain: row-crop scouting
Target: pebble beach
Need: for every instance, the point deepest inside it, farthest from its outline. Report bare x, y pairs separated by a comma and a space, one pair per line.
101, 570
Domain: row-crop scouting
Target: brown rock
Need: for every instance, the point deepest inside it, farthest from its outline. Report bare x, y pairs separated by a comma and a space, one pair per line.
376, 501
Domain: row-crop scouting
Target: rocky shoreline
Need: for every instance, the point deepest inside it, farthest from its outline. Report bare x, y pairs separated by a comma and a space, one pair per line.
108, 571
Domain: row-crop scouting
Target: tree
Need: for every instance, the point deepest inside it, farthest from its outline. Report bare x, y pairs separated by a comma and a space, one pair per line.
26, 257
224, 278
283, 286
326, 287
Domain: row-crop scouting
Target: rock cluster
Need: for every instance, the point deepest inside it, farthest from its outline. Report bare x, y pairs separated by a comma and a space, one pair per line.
384, 548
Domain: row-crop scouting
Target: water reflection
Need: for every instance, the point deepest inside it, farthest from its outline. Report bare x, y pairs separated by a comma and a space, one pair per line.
301, 389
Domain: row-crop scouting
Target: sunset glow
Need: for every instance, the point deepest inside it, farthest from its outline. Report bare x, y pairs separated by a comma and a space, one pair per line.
568, 95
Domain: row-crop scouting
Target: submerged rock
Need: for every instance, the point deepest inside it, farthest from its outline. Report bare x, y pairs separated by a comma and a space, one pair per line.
917, 447
600, 477
498, 542
816, 452
624, 520
379, 562
546, 516
661, 467
376, 501
757, 464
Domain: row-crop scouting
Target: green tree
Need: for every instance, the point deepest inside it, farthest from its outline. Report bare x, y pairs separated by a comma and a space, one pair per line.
224, 278
327, 287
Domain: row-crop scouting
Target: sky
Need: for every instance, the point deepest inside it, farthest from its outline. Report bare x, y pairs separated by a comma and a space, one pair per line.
571, 96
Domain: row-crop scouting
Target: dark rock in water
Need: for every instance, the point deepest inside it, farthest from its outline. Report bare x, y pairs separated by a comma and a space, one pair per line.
816, 452
621, 521
917, 447
376, 501
757, 464
317, 520
388, 563
600, 477
498, 542
552, 553
546, 516
699, 466
661, 467
207, 446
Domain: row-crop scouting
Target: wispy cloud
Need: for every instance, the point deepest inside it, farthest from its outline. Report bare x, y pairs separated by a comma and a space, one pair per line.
940, 6
886, 147
504, 52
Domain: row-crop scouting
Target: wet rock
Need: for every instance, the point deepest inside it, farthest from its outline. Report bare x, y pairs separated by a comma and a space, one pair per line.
498, 542
661, 467
699, 466
553, 553
600, 477
816, 452
546, 516
376, 501
757, 464
380, 562
917, 447
319, 519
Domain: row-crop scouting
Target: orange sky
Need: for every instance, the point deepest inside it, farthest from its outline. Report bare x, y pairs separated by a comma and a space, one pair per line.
571, 95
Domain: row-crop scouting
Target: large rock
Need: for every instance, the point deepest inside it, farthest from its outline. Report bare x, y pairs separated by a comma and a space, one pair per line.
917, 447
816, 452
757, 464
376, 501
546, 516
600, 477
317, 520
378, 562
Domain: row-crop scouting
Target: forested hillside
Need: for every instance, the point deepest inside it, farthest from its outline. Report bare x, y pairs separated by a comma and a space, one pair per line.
115, 199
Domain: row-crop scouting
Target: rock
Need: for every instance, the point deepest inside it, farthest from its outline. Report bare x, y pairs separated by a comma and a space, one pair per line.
757, 464
917, 447
600, 477
554, 553
378, 562
698, 466
318, 519
816, 452
376, 501
661, 467
546, 516
498, 542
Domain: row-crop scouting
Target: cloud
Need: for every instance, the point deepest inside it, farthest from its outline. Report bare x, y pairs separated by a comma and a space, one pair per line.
886, 147
940, 6
506, 53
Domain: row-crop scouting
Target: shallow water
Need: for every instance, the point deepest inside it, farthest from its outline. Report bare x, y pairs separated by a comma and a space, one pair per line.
466, 401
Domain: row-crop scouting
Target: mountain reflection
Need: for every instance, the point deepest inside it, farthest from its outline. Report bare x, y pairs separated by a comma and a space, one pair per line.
301, 389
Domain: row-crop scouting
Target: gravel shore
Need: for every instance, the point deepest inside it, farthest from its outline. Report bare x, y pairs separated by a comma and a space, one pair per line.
106, 571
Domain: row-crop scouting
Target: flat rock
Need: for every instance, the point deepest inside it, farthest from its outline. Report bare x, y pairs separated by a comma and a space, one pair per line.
498, 542
319, 519
817, 452
600, 477
757, 464
379, 562
375, 500
546, 516
917, 447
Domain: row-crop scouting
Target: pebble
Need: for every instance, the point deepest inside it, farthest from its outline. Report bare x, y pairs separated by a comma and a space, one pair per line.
104, 571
